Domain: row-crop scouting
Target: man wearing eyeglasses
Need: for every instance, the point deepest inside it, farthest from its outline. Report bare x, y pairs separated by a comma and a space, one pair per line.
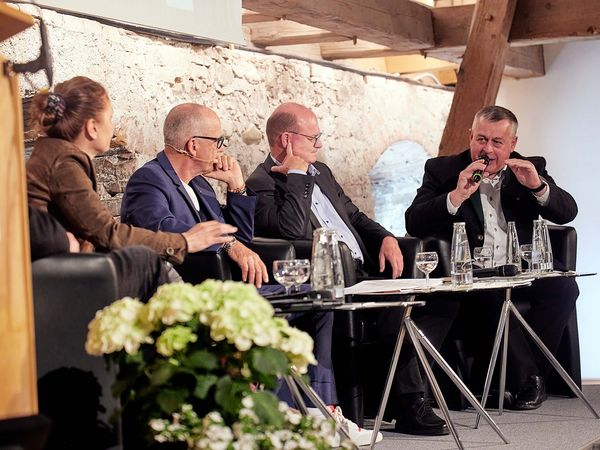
172, 193
297, 194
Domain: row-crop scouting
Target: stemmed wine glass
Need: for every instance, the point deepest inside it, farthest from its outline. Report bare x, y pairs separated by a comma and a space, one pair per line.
426, 262
291, 272
526, 254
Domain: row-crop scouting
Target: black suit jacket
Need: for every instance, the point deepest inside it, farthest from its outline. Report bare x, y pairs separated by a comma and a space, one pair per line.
429, 216
284, 202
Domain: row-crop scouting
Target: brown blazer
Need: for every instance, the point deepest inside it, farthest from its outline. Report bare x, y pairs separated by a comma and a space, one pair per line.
61, 180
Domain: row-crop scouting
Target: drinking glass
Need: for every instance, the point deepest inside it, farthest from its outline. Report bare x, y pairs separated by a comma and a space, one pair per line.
426, 262
284, 273
291, 272
483, 256
526, 250
301, 269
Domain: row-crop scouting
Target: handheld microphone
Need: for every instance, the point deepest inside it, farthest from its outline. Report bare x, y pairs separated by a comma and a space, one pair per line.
506, 270
478, 174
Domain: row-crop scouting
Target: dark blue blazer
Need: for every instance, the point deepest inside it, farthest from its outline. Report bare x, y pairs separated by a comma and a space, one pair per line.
156, 199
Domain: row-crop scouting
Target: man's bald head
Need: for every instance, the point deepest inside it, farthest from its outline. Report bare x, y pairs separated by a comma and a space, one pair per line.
187, 120
286, 117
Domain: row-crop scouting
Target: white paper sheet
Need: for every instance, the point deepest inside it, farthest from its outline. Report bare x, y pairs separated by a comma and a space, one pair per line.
409, 285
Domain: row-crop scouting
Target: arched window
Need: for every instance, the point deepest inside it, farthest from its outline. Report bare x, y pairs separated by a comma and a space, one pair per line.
394, 182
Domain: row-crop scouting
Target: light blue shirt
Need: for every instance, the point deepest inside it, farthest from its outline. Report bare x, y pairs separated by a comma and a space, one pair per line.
326, 214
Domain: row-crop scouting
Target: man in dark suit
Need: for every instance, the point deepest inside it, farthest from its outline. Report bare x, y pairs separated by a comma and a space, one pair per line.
296, 195
514, 188
171, 192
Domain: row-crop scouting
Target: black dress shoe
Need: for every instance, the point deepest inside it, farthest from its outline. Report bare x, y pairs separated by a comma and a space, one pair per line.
532, 394
420, 419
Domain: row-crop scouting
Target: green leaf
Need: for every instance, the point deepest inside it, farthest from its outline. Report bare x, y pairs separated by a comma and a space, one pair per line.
229, 394
269, 360
170, 400
202, 359
203, 384
266, 408
162, 374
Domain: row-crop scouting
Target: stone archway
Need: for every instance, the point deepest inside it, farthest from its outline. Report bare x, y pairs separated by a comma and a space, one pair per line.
394, 182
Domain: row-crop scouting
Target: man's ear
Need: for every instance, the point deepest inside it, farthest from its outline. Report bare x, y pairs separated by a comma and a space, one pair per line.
514, 143
190, 147
284, 137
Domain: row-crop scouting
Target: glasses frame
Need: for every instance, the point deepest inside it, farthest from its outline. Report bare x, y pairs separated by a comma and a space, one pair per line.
314, 139
220, 141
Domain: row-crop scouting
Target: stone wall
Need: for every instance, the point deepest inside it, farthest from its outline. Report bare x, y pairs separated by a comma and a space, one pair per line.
360, 114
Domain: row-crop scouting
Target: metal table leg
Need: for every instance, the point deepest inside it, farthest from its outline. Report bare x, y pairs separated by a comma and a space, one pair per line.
297, 380
562, 372
488, 379
390, 376
455, 378
432, 382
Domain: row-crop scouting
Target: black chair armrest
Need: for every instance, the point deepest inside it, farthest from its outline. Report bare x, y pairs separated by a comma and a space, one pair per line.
564, 246
201, 266
303, 248
269, 250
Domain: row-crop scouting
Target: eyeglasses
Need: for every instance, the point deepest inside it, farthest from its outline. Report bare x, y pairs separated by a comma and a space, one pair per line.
220, 140
314, 139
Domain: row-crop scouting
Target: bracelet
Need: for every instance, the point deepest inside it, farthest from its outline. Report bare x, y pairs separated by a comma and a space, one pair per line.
240, 191
227, 245
539, 188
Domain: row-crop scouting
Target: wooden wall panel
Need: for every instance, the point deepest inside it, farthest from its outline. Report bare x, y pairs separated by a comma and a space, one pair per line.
18, 393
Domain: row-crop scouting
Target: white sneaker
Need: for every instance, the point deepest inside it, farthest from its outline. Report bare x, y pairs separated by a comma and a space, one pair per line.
359, 436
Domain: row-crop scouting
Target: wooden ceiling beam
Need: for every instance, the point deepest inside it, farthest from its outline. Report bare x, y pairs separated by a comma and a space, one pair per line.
521, 62
536, 22
480, 73
286, 32
248, 19
399, 24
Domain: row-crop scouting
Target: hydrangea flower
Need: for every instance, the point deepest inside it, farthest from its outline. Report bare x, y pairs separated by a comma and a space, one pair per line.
118, 327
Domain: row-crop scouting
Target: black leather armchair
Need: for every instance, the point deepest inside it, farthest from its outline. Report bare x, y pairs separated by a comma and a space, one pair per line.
200, 266
458, 350
74, 388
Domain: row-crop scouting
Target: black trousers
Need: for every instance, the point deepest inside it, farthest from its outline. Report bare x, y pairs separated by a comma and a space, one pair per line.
140, 271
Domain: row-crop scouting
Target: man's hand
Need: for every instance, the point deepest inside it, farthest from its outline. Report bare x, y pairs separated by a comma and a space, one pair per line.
205, 234
390, 251
254, 270
465, 186
227, 169
290, 162
525, 172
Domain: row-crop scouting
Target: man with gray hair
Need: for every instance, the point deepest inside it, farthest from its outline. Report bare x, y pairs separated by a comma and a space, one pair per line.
172, 193
509, 187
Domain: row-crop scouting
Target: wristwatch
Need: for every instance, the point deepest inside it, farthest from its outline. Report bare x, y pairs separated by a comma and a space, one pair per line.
540, 188
227, 245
